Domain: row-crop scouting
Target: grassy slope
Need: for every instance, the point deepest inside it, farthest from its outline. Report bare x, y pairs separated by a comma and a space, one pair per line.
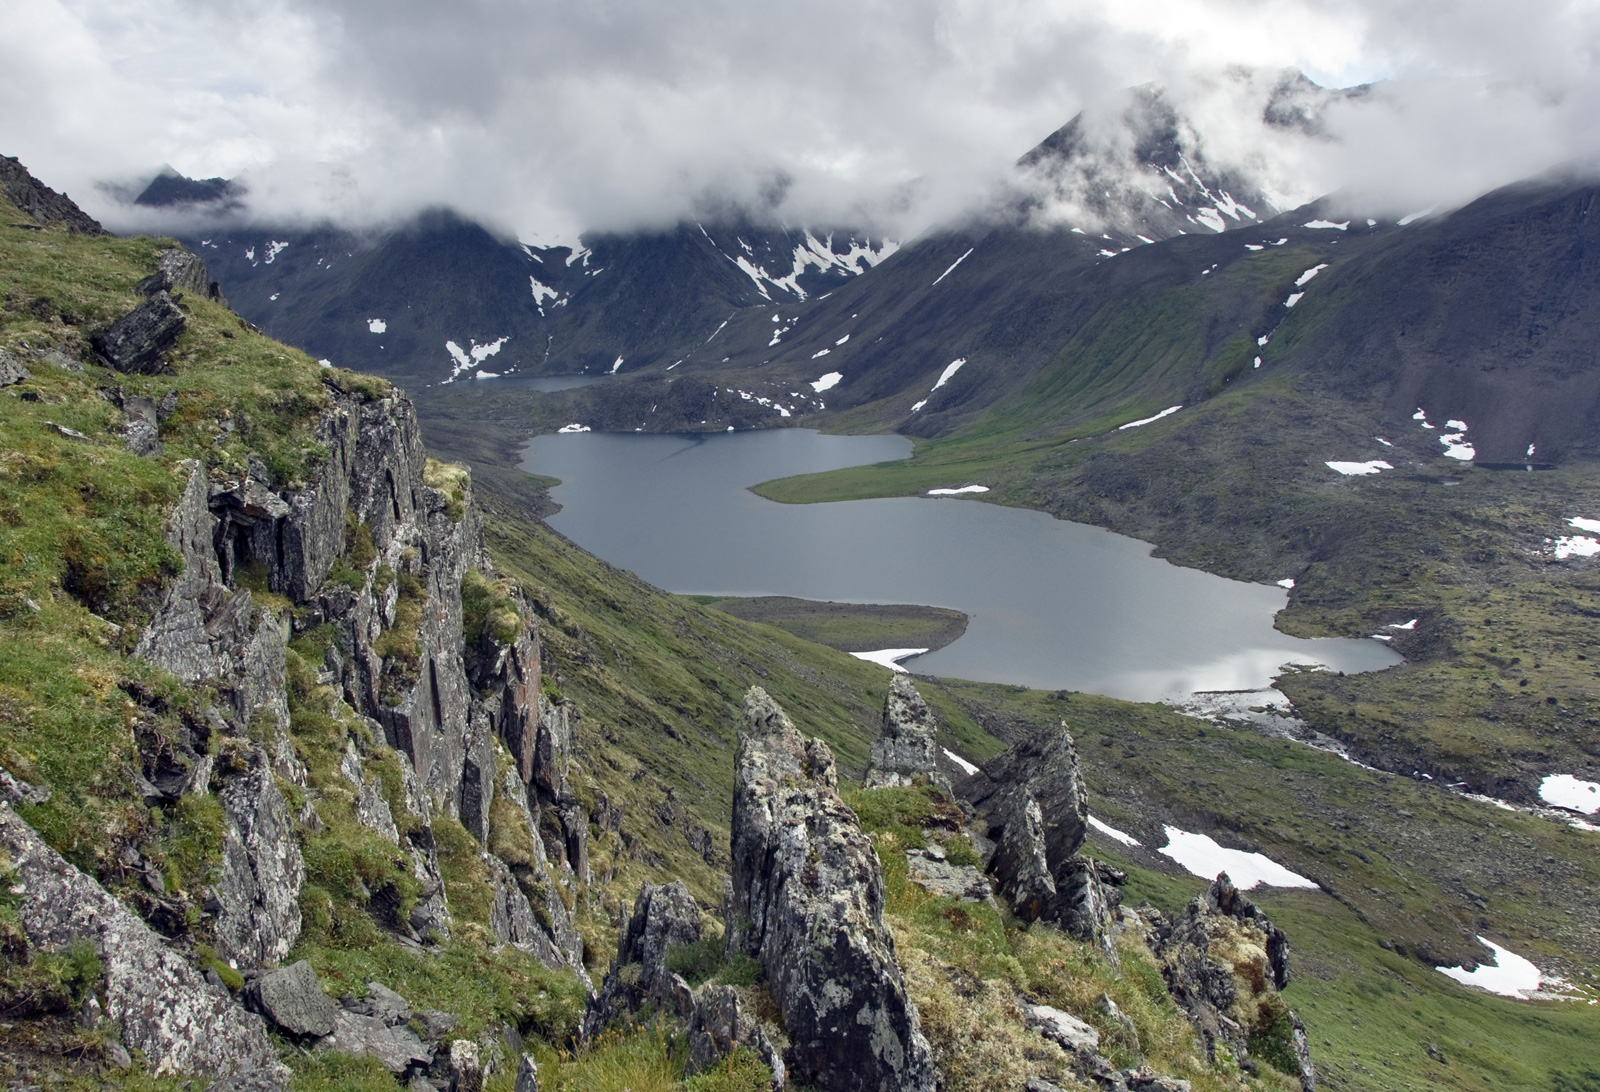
848, 627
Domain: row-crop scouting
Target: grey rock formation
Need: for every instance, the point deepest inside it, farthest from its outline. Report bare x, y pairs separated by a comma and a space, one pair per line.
807, 901
1062, 1028
156, 999
44, 204
11, 370
1087, 898
465, 1067
1045, 768
947, 880
720, 1026
250, 1082
139, 341
262, 871
372, 810
527, 1075
293, 999
907, 747
558, 939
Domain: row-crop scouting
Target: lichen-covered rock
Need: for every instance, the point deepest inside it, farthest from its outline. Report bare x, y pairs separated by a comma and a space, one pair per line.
157, 1000
466, 1068
1019, 861
934, 873
907, 747
1087, 898
372, 810
262, 871
807, 901
138, 342
177, 270
1045, 768
293, 999
397, 1048
1222, 960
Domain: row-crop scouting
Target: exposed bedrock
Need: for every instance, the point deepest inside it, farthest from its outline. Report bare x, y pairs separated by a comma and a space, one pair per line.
807, 901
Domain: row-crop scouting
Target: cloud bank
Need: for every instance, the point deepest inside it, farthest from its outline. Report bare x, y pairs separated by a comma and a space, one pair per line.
546, 118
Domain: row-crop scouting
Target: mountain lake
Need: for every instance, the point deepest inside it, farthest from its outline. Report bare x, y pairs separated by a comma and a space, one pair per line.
1052, 605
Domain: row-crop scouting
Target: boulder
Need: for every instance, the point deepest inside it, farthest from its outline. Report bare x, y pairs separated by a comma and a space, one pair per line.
139, 341
1062, 1028
293, 999
158, 1002
177, 270
807, 901
11, 370
907, 747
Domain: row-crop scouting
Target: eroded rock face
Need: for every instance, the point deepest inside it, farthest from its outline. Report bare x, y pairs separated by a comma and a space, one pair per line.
664, 916
720, 1026
160, 1003
907, 747
807, 901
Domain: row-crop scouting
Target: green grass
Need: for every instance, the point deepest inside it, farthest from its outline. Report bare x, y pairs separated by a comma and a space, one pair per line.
848, 627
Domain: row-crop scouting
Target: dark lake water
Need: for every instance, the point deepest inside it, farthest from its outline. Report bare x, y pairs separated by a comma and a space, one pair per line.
1052, 604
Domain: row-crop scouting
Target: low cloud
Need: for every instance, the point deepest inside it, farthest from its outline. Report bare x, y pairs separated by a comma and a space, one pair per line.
545, 118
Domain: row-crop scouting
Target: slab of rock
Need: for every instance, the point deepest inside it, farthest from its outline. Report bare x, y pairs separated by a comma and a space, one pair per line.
159, 1002
907, 747
396, 1048
293, 999
1062, 1028
807, 901
945, 879
139, 341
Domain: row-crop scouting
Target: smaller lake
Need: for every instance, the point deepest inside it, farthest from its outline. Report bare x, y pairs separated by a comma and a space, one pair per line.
1053, 605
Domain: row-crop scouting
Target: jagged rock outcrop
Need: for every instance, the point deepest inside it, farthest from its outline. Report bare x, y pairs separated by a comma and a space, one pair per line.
907, 747
720, 1025
293, 999
1033, 800
157, 1000
1224, 963
664, 917
929, 868
44, 204
807, 901
139, 341
177, 270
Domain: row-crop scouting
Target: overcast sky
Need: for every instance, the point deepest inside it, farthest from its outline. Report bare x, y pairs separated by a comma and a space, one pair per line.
547, 117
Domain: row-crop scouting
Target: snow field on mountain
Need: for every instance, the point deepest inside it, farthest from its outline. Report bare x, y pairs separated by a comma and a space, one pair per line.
1567, 791
966, 767
1201, 856
826, 382
377, 325
1355, 469
1510, 975
1113, 833
958, 491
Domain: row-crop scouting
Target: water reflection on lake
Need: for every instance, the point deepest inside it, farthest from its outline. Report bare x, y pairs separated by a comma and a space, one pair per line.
1054, 605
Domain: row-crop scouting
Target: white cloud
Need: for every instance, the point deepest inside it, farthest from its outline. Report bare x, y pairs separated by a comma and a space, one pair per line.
545, 117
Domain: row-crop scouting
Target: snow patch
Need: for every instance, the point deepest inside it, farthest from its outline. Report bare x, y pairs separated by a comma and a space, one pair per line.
1146, 420
1585, 524
481, 374
1404, 625
820, 353
1566, 791
1300, 281
1328, 224
966, 767
616, 365
1113, 833
1294, 298
542, 292
1201, 856
574, 427
1370, 467
1254, 246
377, 325
1286, 582
916, 407
1576, 546
1404, 220
842, 340
952, 268
1510, 975
1212, 219
274, 248
827, 382
889, 657
957, 492
950, 369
